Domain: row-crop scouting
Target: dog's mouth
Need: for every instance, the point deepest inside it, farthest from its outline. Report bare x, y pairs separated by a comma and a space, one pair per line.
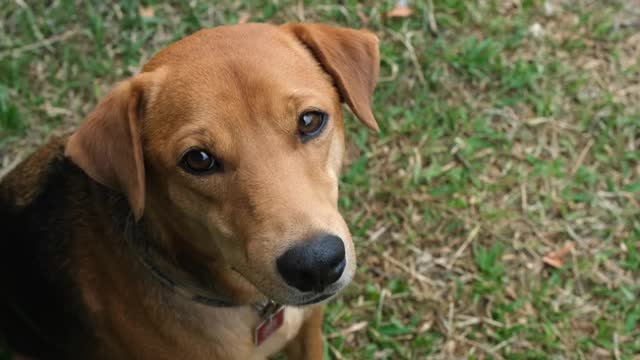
318, 299
311, 299
296, 298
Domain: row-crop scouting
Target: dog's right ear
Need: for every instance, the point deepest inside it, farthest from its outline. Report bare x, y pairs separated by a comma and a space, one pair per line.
108, 146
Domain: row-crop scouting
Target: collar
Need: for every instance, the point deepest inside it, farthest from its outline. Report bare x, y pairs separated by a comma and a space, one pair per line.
171, 275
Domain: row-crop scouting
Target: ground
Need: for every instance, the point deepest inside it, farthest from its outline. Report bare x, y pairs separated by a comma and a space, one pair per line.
509, 130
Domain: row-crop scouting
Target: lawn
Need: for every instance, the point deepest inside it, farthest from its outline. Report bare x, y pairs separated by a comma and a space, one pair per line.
509, 130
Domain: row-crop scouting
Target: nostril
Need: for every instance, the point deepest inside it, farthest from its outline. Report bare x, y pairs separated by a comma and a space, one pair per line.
314, 264
336, 272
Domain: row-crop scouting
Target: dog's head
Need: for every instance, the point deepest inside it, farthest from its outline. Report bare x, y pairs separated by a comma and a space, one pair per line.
230, 143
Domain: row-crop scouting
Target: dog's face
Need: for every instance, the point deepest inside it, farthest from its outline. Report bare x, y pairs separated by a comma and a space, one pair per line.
238, 139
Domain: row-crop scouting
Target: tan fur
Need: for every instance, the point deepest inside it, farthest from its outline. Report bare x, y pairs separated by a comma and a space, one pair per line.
236, 91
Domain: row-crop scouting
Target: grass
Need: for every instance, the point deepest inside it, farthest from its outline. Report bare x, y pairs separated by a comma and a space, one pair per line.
501, 141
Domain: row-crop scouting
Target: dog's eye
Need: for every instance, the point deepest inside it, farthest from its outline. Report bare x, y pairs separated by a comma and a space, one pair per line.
311, 124
200, 162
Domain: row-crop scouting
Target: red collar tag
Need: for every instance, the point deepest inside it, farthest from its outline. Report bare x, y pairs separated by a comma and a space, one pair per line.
269, 326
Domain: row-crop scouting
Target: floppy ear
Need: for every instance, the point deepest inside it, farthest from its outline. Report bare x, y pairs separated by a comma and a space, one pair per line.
351, 57
108, 147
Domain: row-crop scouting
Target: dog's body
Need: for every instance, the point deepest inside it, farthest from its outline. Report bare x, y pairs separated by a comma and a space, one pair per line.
196, 156
42, 281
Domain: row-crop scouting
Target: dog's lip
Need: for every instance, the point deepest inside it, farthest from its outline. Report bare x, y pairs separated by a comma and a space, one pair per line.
313, 300
317, 299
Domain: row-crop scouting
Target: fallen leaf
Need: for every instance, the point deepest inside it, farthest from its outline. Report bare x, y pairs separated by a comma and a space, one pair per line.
536, 30
146, 12
363, 18
402, 10
552, 262
244, 18
556, 258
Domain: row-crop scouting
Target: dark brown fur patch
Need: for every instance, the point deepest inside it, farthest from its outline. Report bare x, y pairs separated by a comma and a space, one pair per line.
40, 310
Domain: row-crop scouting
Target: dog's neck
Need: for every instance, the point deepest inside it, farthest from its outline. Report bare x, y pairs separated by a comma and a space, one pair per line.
184, 283
192, 278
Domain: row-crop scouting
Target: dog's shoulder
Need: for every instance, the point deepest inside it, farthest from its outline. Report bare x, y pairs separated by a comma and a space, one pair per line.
36, 216
27, 181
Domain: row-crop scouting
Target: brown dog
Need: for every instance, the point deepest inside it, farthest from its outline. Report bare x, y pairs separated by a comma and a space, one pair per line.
196, 198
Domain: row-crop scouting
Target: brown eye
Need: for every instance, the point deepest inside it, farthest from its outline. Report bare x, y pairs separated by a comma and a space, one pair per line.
200, 162
311, 124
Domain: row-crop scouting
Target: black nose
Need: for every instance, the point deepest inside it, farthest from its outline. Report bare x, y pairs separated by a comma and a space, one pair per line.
314, 264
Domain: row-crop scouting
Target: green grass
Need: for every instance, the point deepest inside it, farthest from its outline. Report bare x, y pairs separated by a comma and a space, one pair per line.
496, 147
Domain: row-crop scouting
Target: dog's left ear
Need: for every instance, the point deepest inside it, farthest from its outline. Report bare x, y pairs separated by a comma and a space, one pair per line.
351, 57
108, 146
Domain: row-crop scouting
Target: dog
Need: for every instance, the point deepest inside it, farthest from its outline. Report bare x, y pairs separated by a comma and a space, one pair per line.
194, 214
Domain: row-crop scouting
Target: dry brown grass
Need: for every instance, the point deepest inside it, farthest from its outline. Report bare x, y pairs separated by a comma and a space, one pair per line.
502, 141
